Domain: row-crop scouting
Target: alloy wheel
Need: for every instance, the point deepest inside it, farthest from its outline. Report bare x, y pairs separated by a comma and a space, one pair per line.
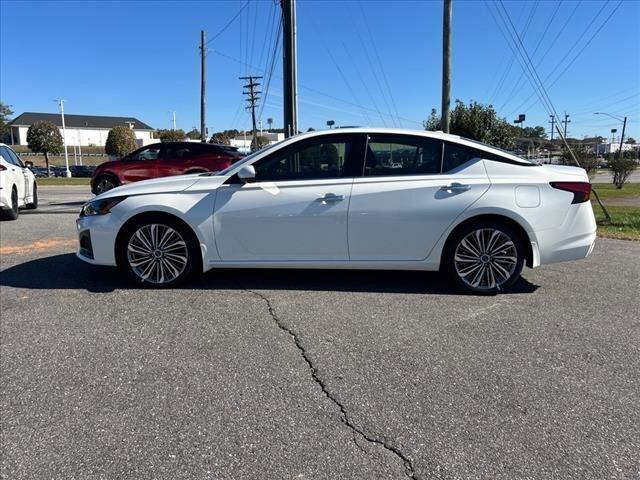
485, 259
104, 184
157, 253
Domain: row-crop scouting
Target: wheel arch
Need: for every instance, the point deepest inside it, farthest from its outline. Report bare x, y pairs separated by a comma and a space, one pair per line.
493, 217
155, 214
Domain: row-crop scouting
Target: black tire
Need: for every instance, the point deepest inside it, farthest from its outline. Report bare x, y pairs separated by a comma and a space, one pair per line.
33, 205
498, 262
13, 212
130, 245
104, 183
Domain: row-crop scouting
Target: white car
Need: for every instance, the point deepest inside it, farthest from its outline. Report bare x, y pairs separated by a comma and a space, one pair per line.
18, 187
331, 200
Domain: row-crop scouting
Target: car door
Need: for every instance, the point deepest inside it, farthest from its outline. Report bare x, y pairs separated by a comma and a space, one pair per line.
403, 203
15, 175
175, 159
296, 210
141, 164
27, 174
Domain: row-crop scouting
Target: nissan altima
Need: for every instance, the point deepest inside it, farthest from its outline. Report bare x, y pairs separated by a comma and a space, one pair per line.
349, 199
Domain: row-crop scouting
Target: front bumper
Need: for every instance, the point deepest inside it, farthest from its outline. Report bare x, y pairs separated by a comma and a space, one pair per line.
96, 240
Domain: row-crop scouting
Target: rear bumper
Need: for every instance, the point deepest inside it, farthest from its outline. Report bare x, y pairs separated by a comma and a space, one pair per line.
573, 240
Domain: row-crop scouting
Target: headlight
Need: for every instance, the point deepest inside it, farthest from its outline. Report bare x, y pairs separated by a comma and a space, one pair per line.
100, 207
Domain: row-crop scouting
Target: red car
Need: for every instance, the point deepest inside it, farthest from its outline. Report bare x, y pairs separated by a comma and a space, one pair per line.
162, 160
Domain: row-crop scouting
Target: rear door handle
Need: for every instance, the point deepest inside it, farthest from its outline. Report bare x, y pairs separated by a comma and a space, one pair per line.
455, 187
330, 197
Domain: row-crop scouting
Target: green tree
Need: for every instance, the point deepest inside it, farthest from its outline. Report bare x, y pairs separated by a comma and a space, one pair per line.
534, 132
171, 135
120, 141
5, 113
477, 122
261, 141
585, 157
194, 134
622, 166
44, 137
224, 136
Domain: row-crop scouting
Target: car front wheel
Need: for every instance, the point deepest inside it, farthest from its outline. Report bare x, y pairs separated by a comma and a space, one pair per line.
105, 183
485, 258
159, 253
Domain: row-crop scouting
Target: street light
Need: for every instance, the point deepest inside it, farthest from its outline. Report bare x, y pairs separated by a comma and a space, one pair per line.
64, 137
624, 126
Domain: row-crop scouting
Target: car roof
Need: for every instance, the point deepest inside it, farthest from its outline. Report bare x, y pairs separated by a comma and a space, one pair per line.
439, 135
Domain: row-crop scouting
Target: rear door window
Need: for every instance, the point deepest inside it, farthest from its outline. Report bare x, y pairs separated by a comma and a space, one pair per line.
402, 155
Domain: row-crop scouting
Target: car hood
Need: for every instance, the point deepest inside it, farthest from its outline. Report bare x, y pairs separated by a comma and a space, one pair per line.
157, 185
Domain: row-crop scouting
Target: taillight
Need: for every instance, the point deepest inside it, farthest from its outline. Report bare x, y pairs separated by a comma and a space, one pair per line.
581, 190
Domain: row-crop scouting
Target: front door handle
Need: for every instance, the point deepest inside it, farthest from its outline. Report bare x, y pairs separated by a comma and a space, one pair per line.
455, 187
330, 197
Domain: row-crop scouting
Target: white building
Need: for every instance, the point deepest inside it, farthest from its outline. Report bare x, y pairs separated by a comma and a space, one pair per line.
84, 130
243, 142
604, 148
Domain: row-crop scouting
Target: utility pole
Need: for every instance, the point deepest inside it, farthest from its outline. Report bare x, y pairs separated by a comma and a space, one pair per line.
446, 64
566, 121
203, 103
624, 126
552, 122
64, 138
80, 146
290, 72
252, 101
173, 118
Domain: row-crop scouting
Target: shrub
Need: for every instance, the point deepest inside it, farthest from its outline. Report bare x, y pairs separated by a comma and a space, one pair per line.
621, 167
120, 141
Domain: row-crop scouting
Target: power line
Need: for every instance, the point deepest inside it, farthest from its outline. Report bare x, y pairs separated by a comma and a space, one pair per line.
544, 33
581, 50
551, 45
377, 55
270, 68
507, 70
340, 71
314, 90
544, 97
228, 24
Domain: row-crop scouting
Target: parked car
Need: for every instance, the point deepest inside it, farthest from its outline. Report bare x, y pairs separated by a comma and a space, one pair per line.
331, 200
18, 187
162, 160
83, 171
38, 172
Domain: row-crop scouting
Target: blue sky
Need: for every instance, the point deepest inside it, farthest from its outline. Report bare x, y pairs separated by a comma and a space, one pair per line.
360, 62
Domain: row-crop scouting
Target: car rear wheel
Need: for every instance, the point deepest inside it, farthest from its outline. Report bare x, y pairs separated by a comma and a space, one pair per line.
159, 253
485, 258
34, 204
105, 183
13, 212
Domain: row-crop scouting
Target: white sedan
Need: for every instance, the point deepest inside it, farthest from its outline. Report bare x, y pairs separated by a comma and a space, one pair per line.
353, 198
18, 187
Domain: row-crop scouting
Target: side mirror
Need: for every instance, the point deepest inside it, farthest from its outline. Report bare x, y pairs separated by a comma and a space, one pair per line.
29, 164
247, 174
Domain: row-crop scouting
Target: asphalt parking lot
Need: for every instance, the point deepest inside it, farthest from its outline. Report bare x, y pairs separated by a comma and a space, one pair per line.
307, 374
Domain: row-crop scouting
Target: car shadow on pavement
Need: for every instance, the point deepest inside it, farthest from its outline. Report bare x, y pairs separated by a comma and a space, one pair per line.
67, 272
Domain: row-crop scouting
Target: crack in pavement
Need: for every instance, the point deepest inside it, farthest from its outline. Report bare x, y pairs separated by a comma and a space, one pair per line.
344, 416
